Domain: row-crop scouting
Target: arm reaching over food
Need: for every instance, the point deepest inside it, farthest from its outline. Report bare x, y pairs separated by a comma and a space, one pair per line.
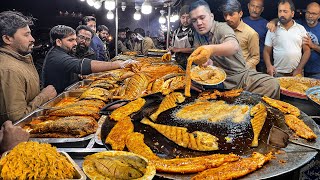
11, 135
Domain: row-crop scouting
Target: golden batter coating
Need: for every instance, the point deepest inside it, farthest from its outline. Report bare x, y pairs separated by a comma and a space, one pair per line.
300, 128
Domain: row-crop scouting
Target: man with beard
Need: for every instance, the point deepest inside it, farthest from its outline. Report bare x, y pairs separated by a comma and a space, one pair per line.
286, 43
258, 23
247, 37
123, 44
62, 69
217, 44
182, 41
19, 83
103, 34
84, 36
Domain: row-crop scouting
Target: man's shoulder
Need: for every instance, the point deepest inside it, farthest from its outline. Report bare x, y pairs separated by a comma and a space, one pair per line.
249, 30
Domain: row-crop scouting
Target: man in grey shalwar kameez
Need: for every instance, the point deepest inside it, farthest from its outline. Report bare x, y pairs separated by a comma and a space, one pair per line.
218, 45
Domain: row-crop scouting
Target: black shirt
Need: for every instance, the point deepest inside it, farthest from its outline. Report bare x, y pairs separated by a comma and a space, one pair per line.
61, 69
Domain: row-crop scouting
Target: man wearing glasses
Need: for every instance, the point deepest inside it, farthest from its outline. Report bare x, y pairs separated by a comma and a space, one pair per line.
84, 37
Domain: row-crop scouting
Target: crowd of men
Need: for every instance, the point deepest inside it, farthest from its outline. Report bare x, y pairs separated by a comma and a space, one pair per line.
251, 50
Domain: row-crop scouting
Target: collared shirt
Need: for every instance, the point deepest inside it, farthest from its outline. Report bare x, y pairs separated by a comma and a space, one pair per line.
19, 86
249, 42
61, 69
287, 46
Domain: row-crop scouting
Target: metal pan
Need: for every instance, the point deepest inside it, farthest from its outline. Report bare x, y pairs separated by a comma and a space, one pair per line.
79, 173
295, 156
312, 93
58, 98
59, 142
80, 85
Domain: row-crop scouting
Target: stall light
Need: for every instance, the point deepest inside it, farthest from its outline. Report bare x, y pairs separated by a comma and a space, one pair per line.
110, 15
97, 4
110, 5
90, 2
146, 7
176, 17
162, 19
82, 0
123, 6
137, 14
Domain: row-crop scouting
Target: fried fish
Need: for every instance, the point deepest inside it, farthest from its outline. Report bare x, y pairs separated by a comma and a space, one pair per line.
96, 93
197, 140
282, 106
128, 109
259, 112
300, 128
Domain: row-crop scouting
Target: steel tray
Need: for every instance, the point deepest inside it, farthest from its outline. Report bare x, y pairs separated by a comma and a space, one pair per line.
77, 85
97, 135
79, 173
63, 141
58, 98
314, 91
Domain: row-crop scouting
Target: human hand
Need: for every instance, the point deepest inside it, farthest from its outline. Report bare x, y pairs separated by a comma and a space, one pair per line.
208, 63
174, 49
49, 91
124, 64
271, 26
271, 70
12, 135
297, 72
307, 41
202, 54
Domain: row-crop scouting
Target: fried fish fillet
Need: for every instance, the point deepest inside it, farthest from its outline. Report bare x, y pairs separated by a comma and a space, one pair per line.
174, 83
300, 128
188, 77
118, 134
77, 111
233, 170
136, 85
136, 145
86, 102
282, 106
96, 93
259, 112
167, 103
76, 126
197, 140
193, 165
128, 109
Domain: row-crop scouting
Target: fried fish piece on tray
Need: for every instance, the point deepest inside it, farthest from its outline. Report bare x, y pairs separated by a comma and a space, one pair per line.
259, 112
167, 103
96, 93
76, 126
136, 86
299, 127
118, 134
197, 140
77, 111
128, 109
233, 170
282, 106
135, 144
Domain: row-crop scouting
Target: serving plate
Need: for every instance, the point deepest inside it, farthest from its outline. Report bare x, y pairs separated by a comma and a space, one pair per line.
304, 80
293, 156
197, 68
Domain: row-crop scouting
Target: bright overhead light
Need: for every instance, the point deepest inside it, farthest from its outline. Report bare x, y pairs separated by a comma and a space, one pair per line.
176, 17
90, 2
137, 14
110, 15
82, 0
146, 7
110, 4
97, 4
162, 19
123, 6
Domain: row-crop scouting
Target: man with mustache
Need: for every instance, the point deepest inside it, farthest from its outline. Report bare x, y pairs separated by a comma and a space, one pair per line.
258, 23
247, 37
19, 81
61, 68
123, 44
217, 44
84, 37
286, 43
103, 34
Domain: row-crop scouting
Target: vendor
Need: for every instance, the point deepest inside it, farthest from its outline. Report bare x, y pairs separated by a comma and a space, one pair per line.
182, 41
62, 69
218, 45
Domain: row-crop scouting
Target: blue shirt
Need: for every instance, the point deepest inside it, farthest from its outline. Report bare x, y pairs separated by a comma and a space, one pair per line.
260, 26
98, 47
313, 64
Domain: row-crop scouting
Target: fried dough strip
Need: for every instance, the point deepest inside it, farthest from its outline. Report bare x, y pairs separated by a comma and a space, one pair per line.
167, 103
197, 140
259, 112
193, 165
233, 170
282, 106
128, 109
299, 127
135, 144
118, 134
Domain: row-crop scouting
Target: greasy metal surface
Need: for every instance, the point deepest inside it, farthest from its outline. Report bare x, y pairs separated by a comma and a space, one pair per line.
294, 156
58, 98
78, 84
65, 141
79, 173
97, 135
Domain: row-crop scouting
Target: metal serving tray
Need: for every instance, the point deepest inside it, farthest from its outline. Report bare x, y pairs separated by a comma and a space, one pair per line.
97, 135
79, 173
69, 142
77, 85
58, 98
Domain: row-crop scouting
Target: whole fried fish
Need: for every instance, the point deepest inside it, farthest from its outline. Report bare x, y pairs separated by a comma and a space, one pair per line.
128, 109
259, 112
197, 140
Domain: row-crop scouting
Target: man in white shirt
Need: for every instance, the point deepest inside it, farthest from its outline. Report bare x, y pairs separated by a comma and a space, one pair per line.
286, 43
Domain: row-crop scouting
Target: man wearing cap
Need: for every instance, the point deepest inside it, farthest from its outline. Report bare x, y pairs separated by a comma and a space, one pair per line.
182, 41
